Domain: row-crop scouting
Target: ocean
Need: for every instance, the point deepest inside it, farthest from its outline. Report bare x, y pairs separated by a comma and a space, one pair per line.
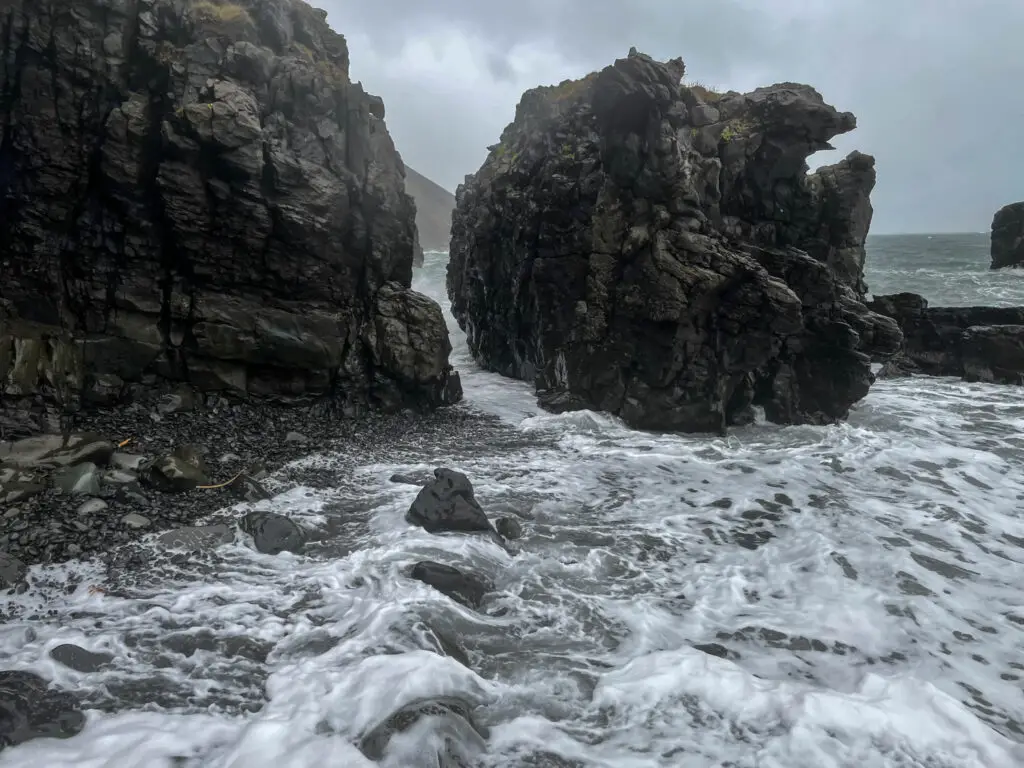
782, 597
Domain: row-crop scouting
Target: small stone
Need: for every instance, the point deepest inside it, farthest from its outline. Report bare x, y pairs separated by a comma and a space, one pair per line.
127, 461
296, 437
248, 488
133, 520
82, 479
92, 506
272, 533
12, 571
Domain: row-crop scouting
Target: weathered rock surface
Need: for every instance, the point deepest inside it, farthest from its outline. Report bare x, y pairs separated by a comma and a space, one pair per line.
447, 503
660, 252
1008, 236
80, 659
462, 738
974, 343
197, 191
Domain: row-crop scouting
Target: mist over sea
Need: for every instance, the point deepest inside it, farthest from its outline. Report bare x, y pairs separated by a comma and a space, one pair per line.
783, 597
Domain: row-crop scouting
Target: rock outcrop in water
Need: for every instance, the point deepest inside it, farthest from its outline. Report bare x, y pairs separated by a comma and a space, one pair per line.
197, 191
974, 343
658, 251
1008, 236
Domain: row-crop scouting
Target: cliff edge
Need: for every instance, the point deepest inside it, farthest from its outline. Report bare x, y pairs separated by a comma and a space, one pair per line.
196, 191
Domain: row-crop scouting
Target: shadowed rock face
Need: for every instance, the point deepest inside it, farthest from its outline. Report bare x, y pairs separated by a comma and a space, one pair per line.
197, 191
1008, 236
975, 343
659, 251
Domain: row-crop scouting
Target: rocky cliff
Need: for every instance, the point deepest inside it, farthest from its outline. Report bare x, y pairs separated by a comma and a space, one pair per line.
973, 343
659, 251
434, 206
197, 191
1008, 236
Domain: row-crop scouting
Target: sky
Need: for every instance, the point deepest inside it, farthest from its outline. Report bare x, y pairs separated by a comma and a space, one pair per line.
937, 85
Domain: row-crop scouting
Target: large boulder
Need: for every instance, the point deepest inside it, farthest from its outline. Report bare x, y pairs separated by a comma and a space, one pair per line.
1008, 236
973, 343
199, 192
659, 251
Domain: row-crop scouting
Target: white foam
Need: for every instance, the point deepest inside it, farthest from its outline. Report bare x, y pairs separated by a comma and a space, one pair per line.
876, 622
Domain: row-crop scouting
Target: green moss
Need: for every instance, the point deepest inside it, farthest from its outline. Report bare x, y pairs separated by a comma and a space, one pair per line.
228, 13
737, 129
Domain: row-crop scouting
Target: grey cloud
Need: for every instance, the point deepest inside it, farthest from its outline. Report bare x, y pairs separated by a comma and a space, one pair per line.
936, 85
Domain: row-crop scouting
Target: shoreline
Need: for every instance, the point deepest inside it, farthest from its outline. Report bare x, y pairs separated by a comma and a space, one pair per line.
239, 444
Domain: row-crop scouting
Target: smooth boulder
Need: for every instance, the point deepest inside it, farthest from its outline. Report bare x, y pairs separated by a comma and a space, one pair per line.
461, 587
1008, 236
447, 504
272, 533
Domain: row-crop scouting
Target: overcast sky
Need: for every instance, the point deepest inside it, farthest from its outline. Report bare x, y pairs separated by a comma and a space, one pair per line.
937, 85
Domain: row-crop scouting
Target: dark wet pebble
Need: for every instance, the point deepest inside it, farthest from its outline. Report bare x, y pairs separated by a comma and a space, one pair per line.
12, 571
79, 659
466, 737
197, 537
464, 588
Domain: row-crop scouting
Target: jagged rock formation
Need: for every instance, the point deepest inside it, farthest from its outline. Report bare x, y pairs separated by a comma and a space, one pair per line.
658, 251
197, 191
434, 206
1008, 236
973, 343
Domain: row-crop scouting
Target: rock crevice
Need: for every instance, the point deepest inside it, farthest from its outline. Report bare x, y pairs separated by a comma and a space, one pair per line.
197, 191
659, 251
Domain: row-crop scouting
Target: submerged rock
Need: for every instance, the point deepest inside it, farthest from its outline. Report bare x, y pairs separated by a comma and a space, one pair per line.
79, 659
49, 451
272, 533
231, 211
197, 537
463, 738
447, 503
659, 252
29, 709
461, 587
1008, 236
509, 527
973, 343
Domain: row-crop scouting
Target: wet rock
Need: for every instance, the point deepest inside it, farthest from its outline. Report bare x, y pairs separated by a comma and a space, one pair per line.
656, 251
12, 571
119, 477
409, 479
79, 659
197, 537
1008, 236
272, 533
465, 738
447, 503
29, 709
718, 650
16, 490
128, 462
248, 488
296, 437
509, 527
243, 115
182, 470
464, 588
91, 507
973, 343
179, 401
136, 521
82, 479
56, 451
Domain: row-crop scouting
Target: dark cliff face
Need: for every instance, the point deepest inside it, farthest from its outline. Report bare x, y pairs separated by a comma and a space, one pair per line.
973, 343
659, 252
196, 191
1008, 236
